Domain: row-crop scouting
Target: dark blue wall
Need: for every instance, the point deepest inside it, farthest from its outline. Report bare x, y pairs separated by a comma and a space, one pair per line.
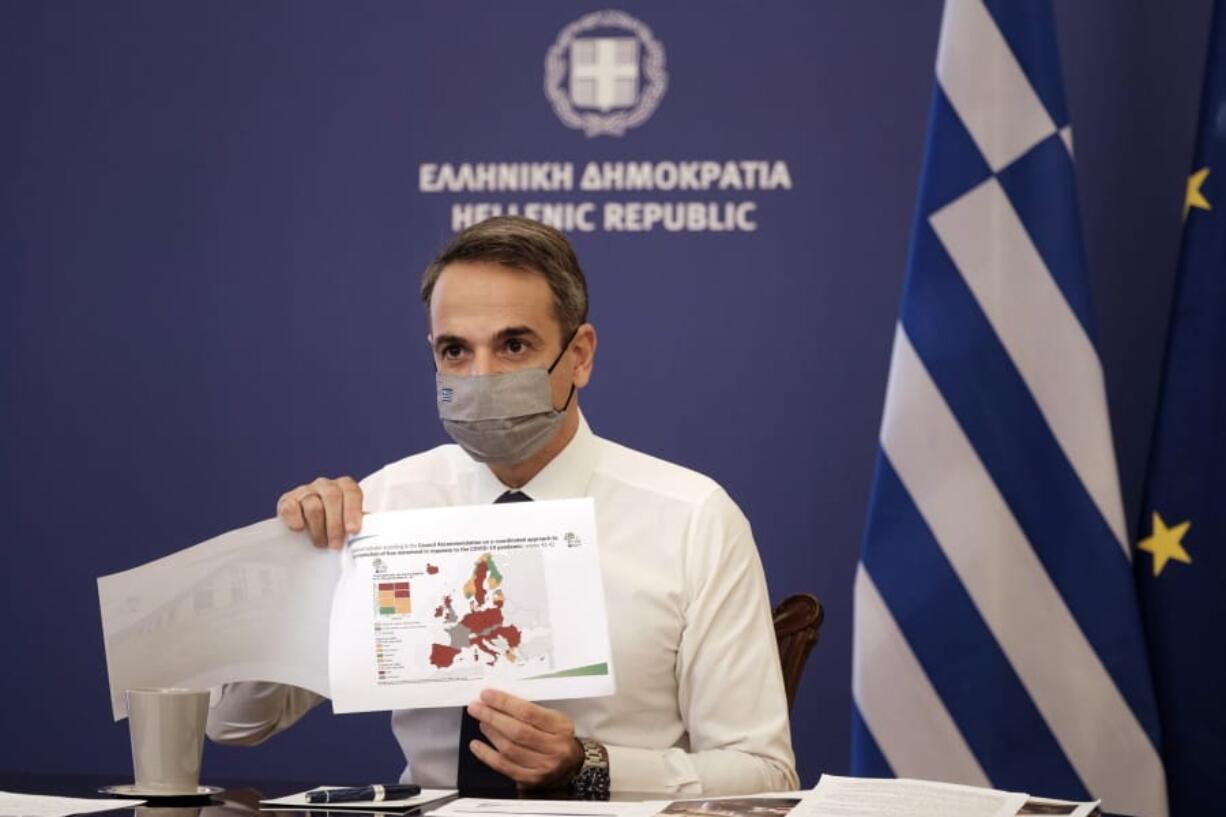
211, 232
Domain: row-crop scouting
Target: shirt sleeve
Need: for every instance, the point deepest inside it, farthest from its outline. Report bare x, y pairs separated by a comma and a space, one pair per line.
250, 712
247, 713
729, 681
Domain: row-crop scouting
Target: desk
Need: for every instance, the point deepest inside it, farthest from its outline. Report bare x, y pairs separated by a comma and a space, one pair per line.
240, 799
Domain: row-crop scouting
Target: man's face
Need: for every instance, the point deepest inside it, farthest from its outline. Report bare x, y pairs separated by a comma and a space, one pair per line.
489, 319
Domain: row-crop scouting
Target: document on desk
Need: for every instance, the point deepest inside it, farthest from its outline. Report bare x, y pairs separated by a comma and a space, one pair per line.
480, 807
866, 797
756, 805
422, 608
737, 806
249, 605
435, 605
39, 805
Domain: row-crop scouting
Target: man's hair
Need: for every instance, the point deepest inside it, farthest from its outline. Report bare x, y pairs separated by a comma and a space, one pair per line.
522, 244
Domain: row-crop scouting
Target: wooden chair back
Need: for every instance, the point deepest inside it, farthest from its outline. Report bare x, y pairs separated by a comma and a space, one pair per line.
798, 619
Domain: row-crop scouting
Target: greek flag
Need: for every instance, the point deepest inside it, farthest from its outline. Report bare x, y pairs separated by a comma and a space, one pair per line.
997, 635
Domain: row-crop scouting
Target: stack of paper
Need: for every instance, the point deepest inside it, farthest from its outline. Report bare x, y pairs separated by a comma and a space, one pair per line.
833, 797
863, 797
38, 805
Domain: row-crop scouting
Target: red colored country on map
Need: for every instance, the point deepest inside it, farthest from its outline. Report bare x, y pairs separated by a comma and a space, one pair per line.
479, 621
509, 633
444, 607
479, 582
486, 625
441, 655
431, 569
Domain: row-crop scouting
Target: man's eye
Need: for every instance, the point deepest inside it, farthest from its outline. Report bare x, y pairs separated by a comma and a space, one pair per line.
451, 352
515, 346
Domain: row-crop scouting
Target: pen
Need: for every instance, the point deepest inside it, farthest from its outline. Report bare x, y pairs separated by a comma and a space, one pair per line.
375, 793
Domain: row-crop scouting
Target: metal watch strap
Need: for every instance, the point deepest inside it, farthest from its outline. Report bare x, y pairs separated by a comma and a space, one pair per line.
591, 782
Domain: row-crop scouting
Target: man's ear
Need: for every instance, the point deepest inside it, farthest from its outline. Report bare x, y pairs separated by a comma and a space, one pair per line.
583, 354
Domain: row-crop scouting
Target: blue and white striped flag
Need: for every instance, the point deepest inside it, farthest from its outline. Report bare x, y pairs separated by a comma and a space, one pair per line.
997, 636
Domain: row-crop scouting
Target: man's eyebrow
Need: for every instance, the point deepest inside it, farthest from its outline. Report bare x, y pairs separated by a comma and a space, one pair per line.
516, 332
443, 341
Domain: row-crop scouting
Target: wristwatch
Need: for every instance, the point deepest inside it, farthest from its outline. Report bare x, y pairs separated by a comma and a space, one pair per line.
591, 782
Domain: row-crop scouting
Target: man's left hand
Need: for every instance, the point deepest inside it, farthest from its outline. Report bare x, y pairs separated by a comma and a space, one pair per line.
533, 745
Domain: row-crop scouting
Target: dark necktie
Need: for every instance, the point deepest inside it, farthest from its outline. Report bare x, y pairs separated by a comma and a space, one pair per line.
473, 776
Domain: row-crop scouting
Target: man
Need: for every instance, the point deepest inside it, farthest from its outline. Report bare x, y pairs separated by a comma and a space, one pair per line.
700, 705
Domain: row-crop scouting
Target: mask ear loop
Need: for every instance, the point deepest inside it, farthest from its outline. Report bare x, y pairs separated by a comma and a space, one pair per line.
554, 365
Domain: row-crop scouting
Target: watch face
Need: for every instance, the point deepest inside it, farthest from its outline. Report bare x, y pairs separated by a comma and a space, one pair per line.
592, 784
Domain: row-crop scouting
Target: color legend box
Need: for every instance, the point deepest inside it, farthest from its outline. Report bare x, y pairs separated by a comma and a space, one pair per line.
393, 598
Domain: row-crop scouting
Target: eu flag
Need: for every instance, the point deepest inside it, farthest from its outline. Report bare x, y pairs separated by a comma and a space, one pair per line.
1181, 557
998, 639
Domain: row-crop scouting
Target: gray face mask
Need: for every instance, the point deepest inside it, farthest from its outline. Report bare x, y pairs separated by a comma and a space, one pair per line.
500, 418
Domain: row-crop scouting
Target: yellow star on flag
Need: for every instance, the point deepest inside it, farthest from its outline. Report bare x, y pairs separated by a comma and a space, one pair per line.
1194, 197
1165, 543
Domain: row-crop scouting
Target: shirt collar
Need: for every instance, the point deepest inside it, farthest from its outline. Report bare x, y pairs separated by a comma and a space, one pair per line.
566, 476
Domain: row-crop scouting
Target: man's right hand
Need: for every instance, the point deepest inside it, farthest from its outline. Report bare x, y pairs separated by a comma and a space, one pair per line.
330, 509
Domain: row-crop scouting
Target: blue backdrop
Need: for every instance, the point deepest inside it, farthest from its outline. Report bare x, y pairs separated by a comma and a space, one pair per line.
212, 227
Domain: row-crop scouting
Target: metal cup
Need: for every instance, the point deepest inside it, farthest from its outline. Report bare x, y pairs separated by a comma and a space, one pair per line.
167, 730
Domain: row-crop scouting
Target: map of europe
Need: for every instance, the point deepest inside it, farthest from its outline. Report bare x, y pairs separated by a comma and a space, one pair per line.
476, 628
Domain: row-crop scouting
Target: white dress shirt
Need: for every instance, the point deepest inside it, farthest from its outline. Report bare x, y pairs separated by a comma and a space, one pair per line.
700, 705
